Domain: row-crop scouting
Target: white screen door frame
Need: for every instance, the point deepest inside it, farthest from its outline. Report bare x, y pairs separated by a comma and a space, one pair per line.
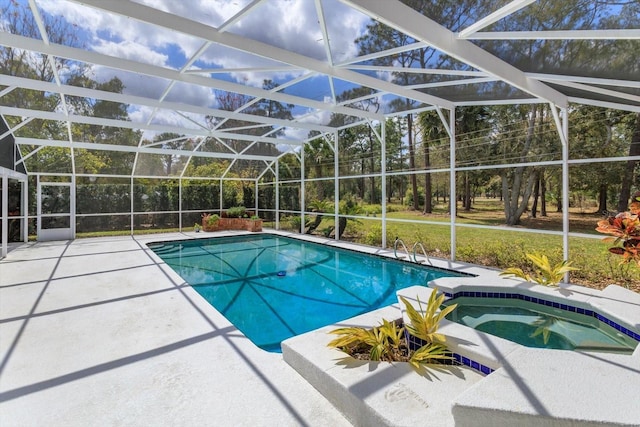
56, 210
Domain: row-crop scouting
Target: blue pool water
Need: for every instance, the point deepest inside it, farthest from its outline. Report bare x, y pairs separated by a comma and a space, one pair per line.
272, 287
539, 326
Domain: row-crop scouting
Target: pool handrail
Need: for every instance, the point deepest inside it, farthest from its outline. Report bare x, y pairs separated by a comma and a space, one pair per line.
397, 242
419, 245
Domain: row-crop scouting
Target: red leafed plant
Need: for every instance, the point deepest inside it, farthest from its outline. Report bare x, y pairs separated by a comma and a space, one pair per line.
624, 228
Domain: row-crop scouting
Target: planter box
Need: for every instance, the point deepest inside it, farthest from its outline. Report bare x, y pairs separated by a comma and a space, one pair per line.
234, 224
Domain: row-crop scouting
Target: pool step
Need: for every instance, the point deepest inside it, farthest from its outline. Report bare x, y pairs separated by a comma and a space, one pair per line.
166, 248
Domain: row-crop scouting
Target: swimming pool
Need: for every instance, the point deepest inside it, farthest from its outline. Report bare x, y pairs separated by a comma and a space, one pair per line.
539, 325
273, 287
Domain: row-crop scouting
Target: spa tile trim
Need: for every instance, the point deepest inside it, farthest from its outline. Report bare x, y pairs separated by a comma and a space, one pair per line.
415, 343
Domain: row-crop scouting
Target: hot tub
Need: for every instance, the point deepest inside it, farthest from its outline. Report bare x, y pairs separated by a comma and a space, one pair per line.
539, 323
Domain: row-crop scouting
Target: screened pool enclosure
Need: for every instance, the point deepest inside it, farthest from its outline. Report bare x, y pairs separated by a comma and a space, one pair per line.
126, 116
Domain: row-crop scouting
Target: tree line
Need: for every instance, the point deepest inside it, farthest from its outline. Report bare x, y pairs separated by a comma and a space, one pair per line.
416, 143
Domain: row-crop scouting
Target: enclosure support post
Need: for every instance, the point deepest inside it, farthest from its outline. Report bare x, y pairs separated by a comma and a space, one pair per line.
277, 184
336, 187
383, 178
72, 208
452, 180
221, 198
302, 192
131, 205
24, 210
5, 214
255, 198
562, 124
180, 204
565, 187
39, 204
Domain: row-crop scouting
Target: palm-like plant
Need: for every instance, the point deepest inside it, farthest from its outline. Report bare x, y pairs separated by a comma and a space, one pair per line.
384, 342
319, 207
424, 324
545, 274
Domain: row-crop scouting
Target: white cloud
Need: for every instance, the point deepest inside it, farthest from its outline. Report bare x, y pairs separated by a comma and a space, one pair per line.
141, 114
192, 95
131, 50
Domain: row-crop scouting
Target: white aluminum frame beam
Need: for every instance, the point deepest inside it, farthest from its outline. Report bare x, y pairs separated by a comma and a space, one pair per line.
46, 115
504, 11
613, 34
134, 149
153, 103
403, 18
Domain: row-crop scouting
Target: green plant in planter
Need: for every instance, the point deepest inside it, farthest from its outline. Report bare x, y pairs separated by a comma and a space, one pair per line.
424, 324
385, 342
196, 227
237, 212
254, 217
211, 220
381, 340
545, 274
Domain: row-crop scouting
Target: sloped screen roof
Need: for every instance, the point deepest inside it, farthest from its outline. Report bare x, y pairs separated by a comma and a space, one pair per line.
97, 87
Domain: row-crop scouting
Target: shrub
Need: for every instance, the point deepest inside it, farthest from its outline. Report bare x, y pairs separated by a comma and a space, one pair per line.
237, 212
294, 222
545, 274
384, 342
374, 236
211, 220
625, 230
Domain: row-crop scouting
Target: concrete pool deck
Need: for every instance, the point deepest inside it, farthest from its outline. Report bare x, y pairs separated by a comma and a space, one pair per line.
101, 332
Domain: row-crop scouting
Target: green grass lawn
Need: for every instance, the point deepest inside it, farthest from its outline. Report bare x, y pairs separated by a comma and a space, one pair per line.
503, 246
